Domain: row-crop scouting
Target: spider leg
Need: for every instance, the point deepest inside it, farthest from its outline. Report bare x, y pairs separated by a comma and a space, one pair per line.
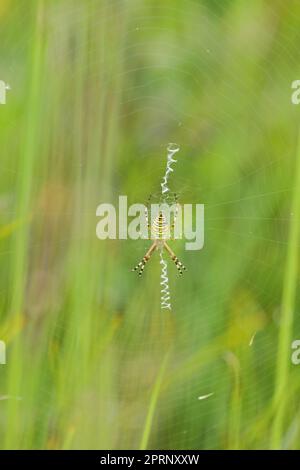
173, 224
179, 265
147, 216
141, 265
147, 220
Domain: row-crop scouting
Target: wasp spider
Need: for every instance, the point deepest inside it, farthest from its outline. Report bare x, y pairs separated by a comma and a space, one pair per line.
160, 233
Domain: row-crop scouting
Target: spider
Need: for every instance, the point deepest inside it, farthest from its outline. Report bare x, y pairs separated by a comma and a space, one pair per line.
160, 232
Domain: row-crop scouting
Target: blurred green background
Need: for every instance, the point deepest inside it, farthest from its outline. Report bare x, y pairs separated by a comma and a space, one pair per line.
98, 89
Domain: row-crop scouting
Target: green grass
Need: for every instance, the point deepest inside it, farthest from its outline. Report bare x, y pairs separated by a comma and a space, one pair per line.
98, 89
288, 310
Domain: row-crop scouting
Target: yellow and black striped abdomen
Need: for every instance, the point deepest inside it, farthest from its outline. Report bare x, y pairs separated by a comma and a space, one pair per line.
160, 229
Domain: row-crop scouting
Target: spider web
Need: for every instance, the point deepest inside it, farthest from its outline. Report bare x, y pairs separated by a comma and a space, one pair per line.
216, 80
230, 160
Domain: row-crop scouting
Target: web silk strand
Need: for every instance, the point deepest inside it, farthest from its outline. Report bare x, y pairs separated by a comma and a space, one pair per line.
172, 149
164, 291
